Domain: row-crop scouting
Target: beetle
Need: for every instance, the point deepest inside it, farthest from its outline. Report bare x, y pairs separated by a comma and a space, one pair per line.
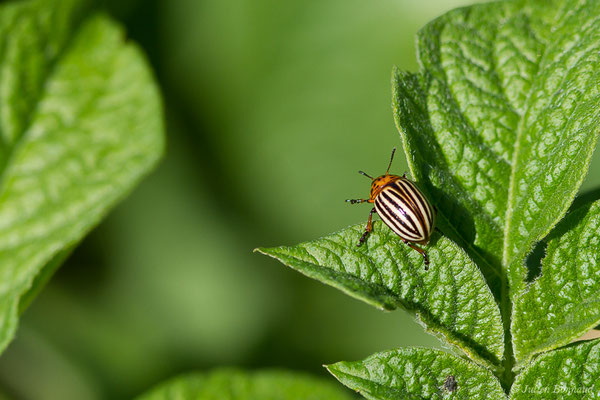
403, 208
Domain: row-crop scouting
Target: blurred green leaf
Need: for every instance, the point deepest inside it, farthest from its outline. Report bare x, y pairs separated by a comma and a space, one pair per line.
230, 384
33, 36
81, 122
302, 111
564, 301
451, 298
417, 374
571, 373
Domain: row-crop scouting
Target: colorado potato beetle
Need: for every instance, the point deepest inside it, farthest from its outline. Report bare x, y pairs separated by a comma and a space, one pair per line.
402, 206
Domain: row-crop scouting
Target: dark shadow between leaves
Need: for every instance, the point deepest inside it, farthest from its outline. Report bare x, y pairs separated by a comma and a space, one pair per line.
578, 210
534, 261
435, 237
586, 198
578, 343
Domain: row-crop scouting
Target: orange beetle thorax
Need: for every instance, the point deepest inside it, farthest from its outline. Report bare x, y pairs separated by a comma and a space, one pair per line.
379, 183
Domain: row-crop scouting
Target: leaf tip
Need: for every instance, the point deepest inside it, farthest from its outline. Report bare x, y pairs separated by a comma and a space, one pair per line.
267, 251
332, 369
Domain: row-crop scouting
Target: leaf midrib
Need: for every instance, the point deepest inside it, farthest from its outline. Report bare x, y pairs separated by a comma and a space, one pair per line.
497, 269
560, 15
11, 149
412, 167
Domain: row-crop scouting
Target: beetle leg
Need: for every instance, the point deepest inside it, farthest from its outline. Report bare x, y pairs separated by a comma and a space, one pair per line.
356, 201
368, 229
421, 251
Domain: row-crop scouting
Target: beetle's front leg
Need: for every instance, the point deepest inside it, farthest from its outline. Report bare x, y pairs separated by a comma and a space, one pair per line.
368, 229
357, 201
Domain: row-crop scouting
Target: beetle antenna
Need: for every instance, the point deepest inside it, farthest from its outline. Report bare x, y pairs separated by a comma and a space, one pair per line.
365, 174
391, 159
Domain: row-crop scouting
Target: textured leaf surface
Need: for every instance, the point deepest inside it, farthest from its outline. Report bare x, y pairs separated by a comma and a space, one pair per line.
239, 385
80, 123
417, 374
451, 298
500, 123
572, 373
564, 302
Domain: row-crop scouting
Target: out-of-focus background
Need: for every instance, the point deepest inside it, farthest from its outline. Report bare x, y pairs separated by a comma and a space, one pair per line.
271, 108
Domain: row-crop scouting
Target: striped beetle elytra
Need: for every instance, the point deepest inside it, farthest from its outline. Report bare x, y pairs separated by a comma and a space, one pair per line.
403, 208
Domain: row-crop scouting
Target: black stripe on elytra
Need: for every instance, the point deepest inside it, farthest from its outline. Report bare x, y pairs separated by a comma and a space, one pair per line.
416, 198
405, 199
394, 219
391, 222
422, 200
399, 230
396, 198
395, 194
399, 189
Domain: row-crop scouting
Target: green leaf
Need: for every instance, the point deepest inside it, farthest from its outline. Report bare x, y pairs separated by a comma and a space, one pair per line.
500, 123
417, 374
564, 302
230, 384
80, 124
569, 373
451, 298
33, 36
498, 126
549, 168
